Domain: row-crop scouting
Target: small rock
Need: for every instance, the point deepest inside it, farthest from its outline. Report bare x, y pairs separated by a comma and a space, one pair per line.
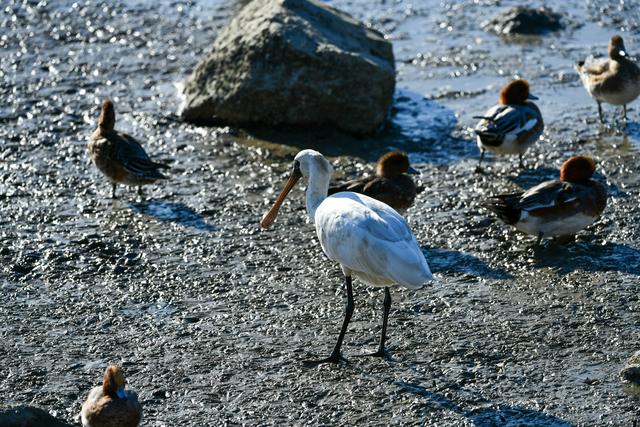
160, 394
522, 20
293, 62
28, 416
630, 374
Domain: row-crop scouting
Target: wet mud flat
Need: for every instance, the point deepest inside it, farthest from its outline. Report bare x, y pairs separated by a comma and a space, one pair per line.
211, 317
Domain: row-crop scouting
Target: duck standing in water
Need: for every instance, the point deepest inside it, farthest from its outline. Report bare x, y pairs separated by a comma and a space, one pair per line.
560, 207
368, 238
512, 126
120, 157
390, 184
110, 405
615, 80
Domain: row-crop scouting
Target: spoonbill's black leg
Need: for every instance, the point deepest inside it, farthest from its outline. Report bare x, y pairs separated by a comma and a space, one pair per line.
521, 164
385, 317
624, 112
539, 239
336, 356
139, 190
113, 190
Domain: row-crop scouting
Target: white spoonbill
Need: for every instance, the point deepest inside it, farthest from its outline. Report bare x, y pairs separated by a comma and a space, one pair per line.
368, 238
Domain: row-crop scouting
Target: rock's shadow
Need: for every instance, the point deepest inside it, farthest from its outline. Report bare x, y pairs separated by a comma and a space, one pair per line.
172, 212
496, 415
420, 126
589, 257
448, 261
424, 128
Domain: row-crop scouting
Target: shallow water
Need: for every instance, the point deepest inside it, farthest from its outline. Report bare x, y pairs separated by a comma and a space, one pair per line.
211, 316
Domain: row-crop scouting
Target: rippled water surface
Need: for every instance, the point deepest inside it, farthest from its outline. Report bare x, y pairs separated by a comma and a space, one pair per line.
211, 317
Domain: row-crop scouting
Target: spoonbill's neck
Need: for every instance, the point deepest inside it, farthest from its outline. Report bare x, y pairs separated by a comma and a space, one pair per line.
317, 189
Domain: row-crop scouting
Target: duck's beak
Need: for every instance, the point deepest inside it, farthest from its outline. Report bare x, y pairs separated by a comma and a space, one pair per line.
120, 392
412, 171
533, 97
269, 218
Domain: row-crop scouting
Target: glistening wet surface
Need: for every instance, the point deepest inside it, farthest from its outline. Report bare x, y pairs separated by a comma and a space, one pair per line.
211, 317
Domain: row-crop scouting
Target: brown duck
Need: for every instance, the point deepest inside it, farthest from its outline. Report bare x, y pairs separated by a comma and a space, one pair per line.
390, 184
119, 156
110, 405
615, 80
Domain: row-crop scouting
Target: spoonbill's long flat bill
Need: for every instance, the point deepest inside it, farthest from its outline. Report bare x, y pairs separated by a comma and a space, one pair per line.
368, 238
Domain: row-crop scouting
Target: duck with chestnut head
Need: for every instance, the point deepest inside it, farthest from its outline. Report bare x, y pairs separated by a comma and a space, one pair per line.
512, 126
391, 183
560, 207
615, 80
110, 405
119, 156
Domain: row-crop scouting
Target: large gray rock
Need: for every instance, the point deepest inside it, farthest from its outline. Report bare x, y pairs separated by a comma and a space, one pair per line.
293, 62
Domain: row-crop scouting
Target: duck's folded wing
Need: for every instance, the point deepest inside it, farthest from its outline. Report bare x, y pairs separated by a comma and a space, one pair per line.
355, 185
507, 120
549, 194
396, 192
594, 66
136, 161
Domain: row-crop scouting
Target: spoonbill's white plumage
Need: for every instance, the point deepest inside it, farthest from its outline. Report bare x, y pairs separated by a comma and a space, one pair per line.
368, 238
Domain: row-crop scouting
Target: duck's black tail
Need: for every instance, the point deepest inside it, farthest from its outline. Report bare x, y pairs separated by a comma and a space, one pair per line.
505, 206
490, 138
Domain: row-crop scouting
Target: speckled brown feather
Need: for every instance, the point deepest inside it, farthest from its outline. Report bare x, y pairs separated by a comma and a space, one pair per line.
103, 407
618, 75
110, 412
120, 157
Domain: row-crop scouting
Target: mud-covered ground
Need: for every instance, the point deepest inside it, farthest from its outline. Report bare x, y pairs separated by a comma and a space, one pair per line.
211, 317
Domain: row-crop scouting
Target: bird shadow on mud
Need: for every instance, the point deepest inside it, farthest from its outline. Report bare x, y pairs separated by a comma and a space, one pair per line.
419, 126
588, 256
450, 261
425, 129
172, 212
497, 415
